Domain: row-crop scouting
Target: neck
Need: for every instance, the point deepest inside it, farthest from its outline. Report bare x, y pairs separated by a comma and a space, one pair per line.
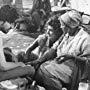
75, 31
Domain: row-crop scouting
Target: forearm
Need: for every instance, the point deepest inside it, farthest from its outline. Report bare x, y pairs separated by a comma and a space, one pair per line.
31, 47
9, 65
79, 58
48, 56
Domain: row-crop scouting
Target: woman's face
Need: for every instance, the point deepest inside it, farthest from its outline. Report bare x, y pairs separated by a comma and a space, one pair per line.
64, 27
67, 29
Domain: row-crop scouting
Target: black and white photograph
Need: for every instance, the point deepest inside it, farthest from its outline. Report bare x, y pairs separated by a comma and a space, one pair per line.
44, 44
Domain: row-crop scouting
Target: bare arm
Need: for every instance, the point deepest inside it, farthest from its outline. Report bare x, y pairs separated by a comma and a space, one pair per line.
7, 65
31, 47
8, 35
40, 41
63, 2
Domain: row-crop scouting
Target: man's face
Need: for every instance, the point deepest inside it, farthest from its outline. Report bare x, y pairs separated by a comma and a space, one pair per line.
49, 30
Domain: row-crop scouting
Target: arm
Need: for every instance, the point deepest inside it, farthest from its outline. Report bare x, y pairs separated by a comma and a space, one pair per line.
31, 48
85, 48
6, 65
48, 55
13, 57
51, 54
8, 35
40, 41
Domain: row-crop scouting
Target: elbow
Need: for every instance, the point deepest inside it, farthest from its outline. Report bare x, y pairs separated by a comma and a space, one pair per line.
3, 67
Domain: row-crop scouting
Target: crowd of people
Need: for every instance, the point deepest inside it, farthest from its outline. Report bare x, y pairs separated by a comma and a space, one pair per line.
63, 54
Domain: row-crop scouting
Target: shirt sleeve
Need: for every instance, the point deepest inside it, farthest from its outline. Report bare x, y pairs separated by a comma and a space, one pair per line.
86, 47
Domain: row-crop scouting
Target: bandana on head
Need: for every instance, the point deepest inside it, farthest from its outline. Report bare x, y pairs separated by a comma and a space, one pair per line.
71, 19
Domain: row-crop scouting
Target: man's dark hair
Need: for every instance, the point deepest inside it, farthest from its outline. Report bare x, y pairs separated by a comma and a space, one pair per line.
55, 23
8, 13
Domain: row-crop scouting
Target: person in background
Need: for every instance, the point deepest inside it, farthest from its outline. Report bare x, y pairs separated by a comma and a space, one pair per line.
9, 70
40, 12
44, 41
75, 45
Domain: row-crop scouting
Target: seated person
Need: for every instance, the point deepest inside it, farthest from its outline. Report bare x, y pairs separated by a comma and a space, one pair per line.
7, 65
6, 32
75, 45
45, 41
9, 70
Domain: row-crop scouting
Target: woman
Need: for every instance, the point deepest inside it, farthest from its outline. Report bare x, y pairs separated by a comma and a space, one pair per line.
9, 69
75, 45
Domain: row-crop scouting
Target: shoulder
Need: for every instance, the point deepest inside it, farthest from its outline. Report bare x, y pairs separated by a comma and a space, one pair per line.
84, 34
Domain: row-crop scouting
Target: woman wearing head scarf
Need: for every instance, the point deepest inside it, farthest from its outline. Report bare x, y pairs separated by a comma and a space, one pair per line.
75, 45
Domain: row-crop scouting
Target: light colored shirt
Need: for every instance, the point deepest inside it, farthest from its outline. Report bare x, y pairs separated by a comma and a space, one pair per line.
78, 45
75, 45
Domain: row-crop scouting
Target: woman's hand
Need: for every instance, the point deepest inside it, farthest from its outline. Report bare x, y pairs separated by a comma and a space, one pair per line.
67, 56
64, 57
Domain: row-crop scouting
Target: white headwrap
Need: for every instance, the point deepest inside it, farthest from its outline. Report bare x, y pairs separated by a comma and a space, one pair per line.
71, 18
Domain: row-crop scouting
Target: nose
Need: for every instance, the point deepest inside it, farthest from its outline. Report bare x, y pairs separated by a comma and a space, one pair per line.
62, 26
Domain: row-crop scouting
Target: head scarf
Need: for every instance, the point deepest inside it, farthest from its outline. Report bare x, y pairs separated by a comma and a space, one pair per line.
71, 19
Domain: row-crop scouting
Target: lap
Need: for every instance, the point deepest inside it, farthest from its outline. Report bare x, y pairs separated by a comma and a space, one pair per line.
55, 72
48, 80
16, 72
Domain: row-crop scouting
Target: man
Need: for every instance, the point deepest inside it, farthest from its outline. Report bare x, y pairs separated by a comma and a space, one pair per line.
9, 69
46, 40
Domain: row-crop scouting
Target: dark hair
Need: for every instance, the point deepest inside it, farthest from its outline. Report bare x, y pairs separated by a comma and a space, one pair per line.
55, 23
8, 13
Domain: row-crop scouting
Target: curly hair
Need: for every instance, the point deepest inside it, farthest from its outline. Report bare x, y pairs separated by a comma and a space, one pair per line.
55, 23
